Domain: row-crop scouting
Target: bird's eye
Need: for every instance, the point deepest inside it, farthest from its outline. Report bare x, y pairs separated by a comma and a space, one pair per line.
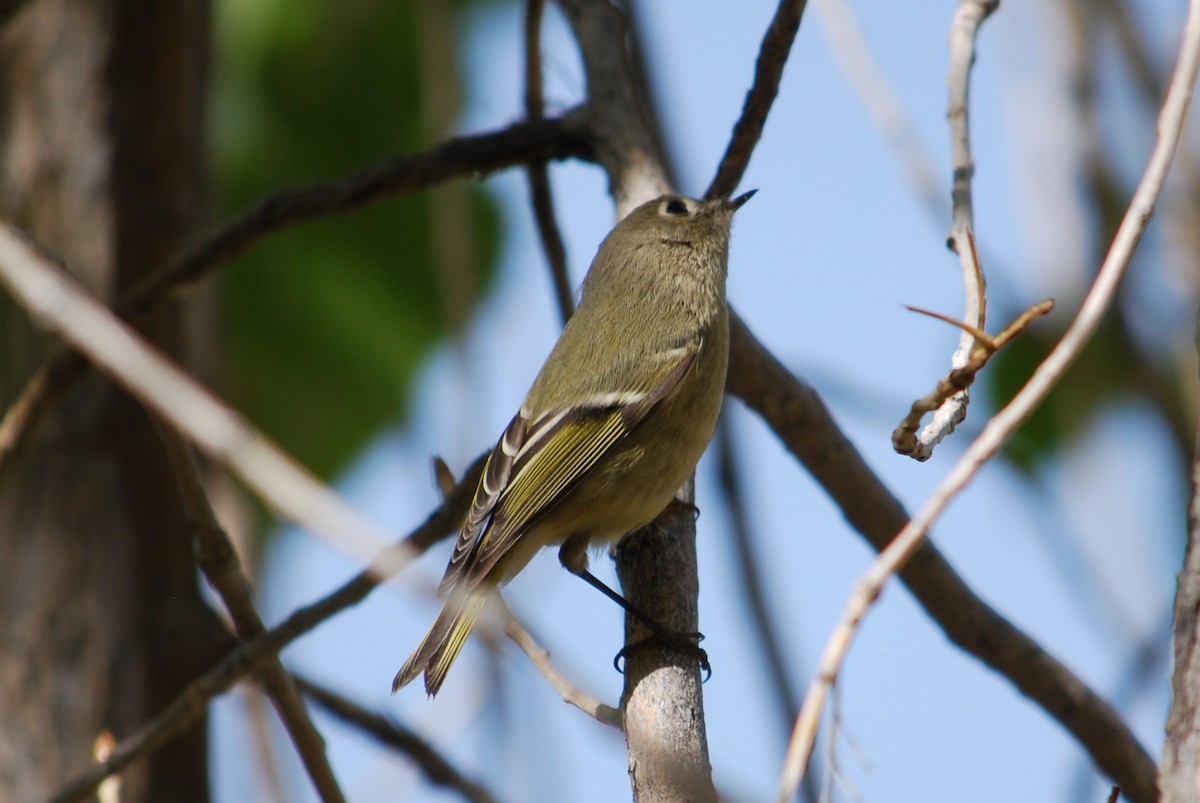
675, 207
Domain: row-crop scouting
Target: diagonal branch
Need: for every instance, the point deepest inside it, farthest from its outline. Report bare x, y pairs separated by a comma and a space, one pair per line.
538, 172
193, 701
386, 730
219, 562
997, 431
796, 414
768, 71
59, 305
472, 155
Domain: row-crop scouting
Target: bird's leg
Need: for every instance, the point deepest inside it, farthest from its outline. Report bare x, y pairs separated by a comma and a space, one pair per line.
573, 556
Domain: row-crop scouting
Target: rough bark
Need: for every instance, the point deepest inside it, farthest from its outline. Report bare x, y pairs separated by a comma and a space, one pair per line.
101, 140
1180, 776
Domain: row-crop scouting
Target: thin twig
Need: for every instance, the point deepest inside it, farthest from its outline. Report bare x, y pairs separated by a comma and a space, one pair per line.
983, 346
473, 155
964, 31
538, 172
193, 701
768, 71
1004, 423
219, 562
569, 692
433, 765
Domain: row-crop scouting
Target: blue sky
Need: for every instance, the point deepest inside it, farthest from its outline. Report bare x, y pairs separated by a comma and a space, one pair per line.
822, 260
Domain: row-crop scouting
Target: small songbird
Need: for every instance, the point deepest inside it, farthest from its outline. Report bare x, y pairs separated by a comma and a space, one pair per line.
615, 422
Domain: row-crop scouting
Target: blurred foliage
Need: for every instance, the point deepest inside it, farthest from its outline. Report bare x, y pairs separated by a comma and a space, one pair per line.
1110, 371
326, 322
1093, 382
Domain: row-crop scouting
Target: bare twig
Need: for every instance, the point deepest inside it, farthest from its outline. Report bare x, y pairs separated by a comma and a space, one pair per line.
538, 173
768, 70
960, 379
433, 765
461, 156
219, 562
569, 692
1005, 422
963, 33
193, 701
800, 419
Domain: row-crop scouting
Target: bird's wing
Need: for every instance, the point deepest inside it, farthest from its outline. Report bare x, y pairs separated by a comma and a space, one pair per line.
538, 460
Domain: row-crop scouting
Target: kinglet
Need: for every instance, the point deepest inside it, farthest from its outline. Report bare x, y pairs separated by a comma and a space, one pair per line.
616, 420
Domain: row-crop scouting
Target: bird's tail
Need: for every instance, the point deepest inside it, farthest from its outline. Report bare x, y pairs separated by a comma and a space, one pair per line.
444, 641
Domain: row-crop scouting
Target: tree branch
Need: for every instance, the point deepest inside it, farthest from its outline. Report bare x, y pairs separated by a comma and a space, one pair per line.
436, 769
768, 71
997, 431
569, 692
538, 173
219, 562
477, 154
239, 663
796, 414
1180, 779
963, 33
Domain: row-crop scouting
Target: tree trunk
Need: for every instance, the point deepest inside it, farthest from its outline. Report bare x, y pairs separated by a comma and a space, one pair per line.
102, 139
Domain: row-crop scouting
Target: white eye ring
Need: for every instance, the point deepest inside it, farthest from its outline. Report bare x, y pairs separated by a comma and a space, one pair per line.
675, 207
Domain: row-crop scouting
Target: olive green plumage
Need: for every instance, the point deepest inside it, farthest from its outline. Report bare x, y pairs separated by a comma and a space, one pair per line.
616, 420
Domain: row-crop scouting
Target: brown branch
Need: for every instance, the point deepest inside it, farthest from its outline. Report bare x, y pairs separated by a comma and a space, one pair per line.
1180, 779
768, 71
662, 705
193, 701
1181, 750
904, 437
472, 155
621, 140
538, 172
386, 730
219, 562
800, 419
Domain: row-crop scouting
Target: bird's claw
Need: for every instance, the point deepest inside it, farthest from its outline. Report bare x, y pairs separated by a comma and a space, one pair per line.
685, 643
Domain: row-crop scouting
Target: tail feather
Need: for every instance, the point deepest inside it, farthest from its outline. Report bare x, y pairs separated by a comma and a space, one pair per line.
443, 643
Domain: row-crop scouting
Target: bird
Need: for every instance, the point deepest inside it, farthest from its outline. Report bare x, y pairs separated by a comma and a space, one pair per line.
614, 423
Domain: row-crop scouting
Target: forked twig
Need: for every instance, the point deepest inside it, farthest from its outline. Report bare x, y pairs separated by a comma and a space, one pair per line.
956, 383
964, 30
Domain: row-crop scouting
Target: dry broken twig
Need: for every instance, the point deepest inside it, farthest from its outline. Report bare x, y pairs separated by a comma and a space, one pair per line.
964, 30
904, 438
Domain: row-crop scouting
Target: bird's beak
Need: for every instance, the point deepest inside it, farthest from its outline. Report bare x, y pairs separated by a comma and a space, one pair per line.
733, 204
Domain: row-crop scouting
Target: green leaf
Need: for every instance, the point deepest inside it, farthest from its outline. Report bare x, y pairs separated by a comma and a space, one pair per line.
327, 321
